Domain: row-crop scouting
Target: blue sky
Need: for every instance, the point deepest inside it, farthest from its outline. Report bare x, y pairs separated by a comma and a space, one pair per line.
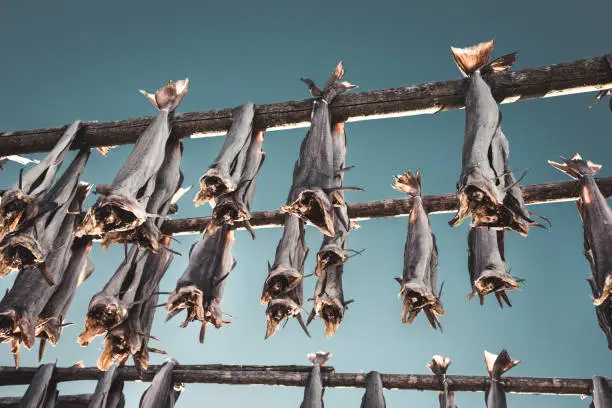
67, 60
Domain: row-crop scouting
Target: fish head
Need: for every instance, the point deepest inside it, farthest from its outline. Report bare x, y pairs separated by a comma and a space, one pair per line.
102, 315
277, 310
281, 280
116, 347
331, 311
416, 297
213, 184
229, 211
19, 251
187, 297
112, 213
13, 206
313, 206
330, 255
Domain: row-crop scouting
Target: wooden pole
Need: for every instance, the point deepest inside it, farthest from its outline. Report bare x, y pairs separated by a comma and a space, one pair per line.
399, 207
579, 76
296, 376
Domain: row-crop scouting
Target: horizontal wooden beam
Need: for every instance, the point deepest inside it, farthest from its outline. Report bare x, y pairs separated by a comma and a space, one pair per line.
297, 377
585, 75
399, 207
63, 401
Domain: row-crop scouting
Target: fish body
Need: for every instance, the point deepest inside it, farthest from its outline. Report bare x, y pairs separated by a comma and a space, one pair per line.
313, 393
602, 394
495, 395
109, 390
373, 396
42, 391
418, 281
162, 393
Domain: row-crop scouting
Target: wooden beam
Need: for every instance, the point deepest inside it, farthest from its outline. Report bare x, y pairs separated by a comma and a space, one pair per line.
585, 75
297, 377
63, 401
399, 207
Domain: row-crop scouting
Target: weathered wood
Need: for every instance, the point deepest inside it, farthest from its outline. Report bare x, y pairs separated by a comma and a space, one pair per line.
63, 401
399, 207
586, 75
296, 376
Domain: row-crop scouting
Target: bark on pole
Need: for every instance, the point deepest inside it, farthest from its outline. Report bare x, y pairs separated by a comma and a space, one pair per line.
587, 75
296, 376
400, 207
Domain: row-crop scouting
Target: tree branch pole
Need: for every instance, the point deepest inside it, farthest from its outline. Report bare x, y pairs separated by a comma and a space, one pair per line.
400, 207
296, 376
587, 75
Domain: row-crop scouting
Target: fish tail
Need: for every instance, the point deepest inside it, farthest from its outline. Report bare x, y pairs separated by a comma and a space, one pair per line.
476, 57
499, 364
576, 167
439, 364
319, 358
169, 96
408, 183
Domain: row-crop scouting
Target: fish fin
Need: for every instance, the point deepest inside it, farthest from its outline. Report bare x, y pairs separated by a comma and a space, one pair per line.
311, 316
399, 280
41, 349
499, 364
471, 59
408, 183
180, 193
202, 332
20, 179
150, 97
598, 97
157, 351
300, 320
490, 361
249, 227
502, 63
319, 358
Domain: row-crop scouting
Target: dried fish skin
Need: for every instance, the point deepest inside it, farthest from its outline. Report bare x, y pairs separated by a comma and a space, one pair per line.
602, 394
313, 173
200, 288
109, 390
223, 175
487, 266
495, 395
418, 281
42, 392
313, 393
162, 392
122, 207
19, 202
373, 396
439, 366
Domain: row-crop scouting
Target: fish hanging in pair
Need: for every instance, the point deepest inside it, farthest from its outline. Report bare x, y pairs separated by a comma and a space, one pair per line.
122, 205
487, 265
438, 367
313, 393
329, 303
200, 289
42, 391
602, 393
163, 391
418, 281
32, 244
373, 396
597, 221
495, 395
23, 201
314, 173
487, 190
109, 390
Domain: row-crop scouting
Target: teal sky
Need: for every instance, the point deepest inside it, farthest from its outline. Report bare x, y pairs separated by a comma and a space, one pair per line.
67, 60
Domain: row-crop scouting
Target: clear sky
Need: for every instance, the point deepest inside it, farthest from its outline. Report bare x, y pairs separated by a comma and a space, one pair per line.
67, 60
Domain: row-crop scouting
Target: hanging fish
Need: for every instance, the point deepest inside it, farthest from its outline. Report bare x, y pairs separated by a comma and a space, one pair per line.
373, 396
110, 306
438, 367
600, 95
120, 206
21, 201
283, 289
495, 396
235, 206
109, 390
313, 173
597, 221
42, 391
17, 159
169, 179
602, 394
487, 265
223, 175
163, 392
418, 280
31, 245
200, 289
313, 393
481, 191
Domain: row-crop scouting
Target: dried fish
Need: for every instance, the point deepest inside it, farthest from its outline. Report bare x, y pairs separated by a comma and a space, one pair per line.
283, 289
42, 392
313, 173
373, 396
438, 367
600, 95
481, 191
487, 265
109, 391
313, 393
120, 206
420, 273
235, 206
597, 221
602, 394
163, 392
224, 174
21, 201
495, 395
200, 289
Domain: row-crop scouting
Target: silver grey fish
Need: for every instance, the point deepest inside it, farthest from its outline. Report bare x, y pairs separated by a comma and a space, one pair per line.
373, 396
163, 391
313, 393
109, 391
418, 281
495, 395
602, 394
439, 366
42, 391
313, 173
597, 221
